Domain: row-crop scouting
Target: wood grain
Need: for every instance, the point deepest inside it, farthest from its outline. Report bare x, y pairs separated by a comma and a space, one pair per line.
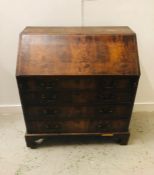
77, 81
77, 51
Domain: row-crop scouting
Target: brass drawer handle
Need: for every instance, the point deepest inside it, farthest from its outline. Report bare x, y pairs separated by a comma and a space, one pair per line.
47, 85
77, 81
107, 96
43, 96
102, 125
110, 85
53, 126
105, 111
50, 100
50, 112
42, 84
57, 126
110, 111
47, 101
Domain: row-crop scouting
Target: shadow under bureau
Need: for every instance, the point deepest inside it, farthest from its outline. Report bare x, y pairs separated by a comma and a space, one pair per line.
77, 81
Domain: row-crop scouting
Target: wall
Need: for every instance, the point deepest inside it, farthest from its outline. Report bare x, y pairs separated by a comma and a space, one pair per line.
15, 15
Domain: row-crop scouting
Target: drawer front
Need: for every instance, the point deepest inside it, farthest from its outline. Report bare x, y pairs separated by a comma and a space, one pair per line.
76, 112
77, 126
108, 125
64, 83
75, 97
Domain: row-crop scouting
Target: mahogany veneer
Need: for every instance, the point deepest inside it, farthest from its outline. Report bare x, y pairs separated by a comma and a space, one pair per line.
77, 81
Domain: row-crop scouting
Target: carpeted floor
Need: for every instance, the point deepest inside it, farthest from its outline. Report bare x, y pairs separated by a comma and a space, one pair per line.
77, 158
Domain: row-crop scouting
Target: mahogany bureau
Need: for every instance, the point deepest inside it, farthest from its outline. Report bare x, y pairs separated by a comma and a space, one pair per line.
77, 81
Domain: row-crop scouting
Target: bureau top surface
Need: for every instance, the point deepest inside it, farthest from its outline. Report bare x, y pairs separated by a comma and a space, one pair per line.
77, 51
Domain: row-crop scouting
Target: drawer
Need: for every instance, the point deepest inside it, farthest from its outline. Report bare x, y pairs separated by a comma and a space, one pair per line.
64, 83
76, 97
57, 83
78, 111
77, 126
108, 125
120, 83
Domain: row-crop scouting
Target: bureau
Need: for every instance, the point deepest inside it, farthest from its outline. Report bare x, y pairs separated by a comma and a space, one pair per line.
77, 81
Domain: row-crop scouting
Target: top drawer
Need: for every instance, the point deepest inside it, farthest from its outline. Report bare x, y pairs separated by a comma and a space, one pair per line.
82, 83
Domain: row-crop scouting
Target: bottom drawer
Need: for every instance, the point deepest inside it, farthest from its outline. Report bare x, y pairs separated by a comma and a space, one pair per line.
116, 111
77, 126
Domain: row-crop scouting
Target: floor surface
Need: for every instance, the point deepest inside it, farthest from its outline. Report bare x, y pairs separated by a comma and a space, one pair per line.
79, 158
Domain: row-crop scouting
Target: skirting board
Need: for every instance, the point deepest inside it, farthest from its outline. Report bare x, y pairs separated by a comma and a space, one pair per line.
138, 107
5, 109
143, 107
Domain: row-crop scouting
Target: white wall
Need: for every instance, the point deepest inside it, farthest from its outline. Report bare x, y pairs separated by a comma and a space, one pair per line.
15, 15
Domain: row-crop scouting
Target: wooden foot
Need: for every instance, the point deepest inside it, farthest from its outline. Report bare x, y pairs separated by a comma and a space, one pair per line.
122, 139
30, 142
